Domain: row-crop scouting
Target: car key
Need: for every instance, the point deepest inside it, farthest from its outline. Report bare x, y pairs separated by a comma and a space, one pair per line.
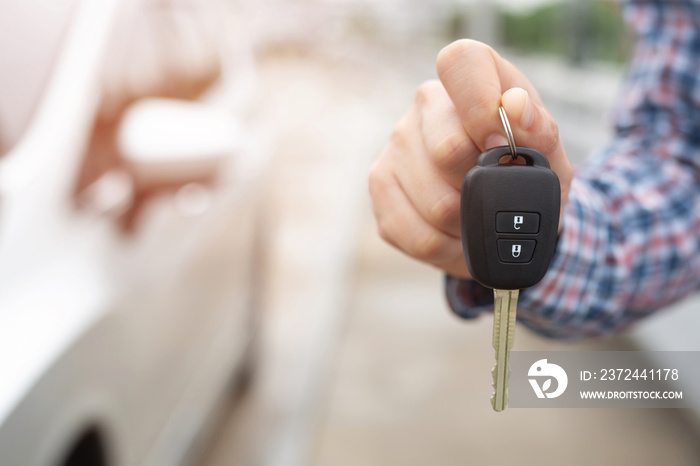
509, 222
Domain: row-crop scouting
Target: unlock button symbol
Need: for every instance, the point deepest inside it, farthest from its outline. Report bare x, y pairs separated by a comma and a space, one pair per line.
517, 221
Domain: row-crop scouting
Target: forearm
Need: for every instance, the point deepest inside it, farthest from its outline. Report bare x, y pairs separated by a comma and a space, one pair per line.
628, 247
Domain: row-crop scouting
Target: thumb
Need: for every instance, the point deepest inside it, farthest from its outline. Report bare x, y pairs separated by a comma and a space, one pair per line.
531, 123
534, 127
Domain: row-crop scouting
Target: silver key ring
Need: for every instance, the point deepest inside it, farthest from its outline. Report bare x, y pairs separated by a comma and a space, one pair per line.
509, 132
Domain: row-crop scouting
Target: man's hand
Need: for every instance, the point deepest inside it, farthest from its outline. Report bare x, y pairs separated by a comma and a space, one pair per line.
415, 185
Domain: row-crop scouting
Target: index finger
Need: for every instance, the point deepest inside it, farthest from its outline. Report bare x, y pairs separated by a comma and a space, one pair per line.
469, 71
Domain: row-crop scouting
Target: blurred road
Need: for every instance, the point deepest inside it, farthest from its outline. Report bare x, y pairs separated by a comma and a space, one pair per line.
412, 387
362, 363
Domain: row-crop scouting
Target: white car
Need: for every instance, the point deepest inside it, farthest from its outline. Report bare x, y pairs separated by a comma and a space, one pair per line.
126, 304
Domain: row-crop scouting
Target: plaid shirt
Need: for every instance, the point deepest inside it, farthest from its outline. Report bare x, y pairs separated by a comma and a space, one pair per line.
630, 238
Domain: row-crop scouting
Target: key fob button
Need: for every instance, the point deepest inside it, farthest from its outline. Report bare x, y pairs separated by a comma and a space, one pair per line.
516, 250
517, 222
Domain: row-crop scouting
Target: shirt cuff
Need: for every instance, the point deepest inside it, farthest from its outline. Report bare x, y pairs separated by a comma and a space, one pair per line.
467, 298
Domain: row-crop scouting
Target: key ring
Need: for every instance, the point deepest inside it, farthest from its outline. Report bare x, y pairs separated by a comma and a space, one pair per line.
509, 132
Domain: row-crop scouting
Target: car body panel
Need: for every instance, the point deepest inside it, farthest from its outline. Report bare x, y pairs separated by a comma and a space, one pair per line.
135, 334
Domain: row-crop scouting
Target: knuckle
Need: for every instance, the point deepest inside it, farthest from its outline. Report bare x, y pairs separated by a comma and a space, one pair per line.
445, 212
384, 230
375, 180
553, 136
428, 246
398, 138
448, 153
553, 128
425, 92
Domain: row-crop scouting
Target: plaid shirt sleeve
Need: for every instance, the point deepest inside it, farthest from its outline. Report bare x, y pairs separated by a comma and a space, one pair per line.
630, 239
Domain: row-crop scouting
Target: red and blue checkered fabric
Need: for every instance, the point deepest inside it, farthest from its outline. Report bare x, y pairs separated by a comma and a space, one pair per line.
630, 240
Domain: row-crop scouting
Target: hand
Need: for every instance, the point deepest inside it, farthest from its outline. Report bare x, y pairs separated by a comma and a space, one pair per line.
415, 185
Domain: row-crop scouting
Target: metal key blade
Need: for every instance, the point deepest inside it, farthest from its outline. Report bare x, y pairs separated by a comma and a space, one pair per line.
503, 336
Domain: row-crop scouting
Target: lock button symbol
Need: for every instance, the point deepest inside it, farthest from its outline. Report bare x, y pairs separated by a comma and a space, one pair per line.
518, 251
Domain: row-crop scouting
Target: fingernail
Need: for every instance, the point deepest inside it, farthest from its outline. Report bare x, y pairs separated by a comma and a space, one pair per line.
495, 140
528, 113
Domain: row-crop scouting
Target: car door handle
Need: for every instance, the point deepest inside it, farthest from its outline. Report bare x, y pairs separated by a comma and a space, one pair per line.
170, 142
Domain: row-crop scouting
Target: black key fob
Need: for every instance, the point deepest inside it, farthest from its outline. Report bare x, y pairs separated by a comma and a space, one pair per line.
509, 218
